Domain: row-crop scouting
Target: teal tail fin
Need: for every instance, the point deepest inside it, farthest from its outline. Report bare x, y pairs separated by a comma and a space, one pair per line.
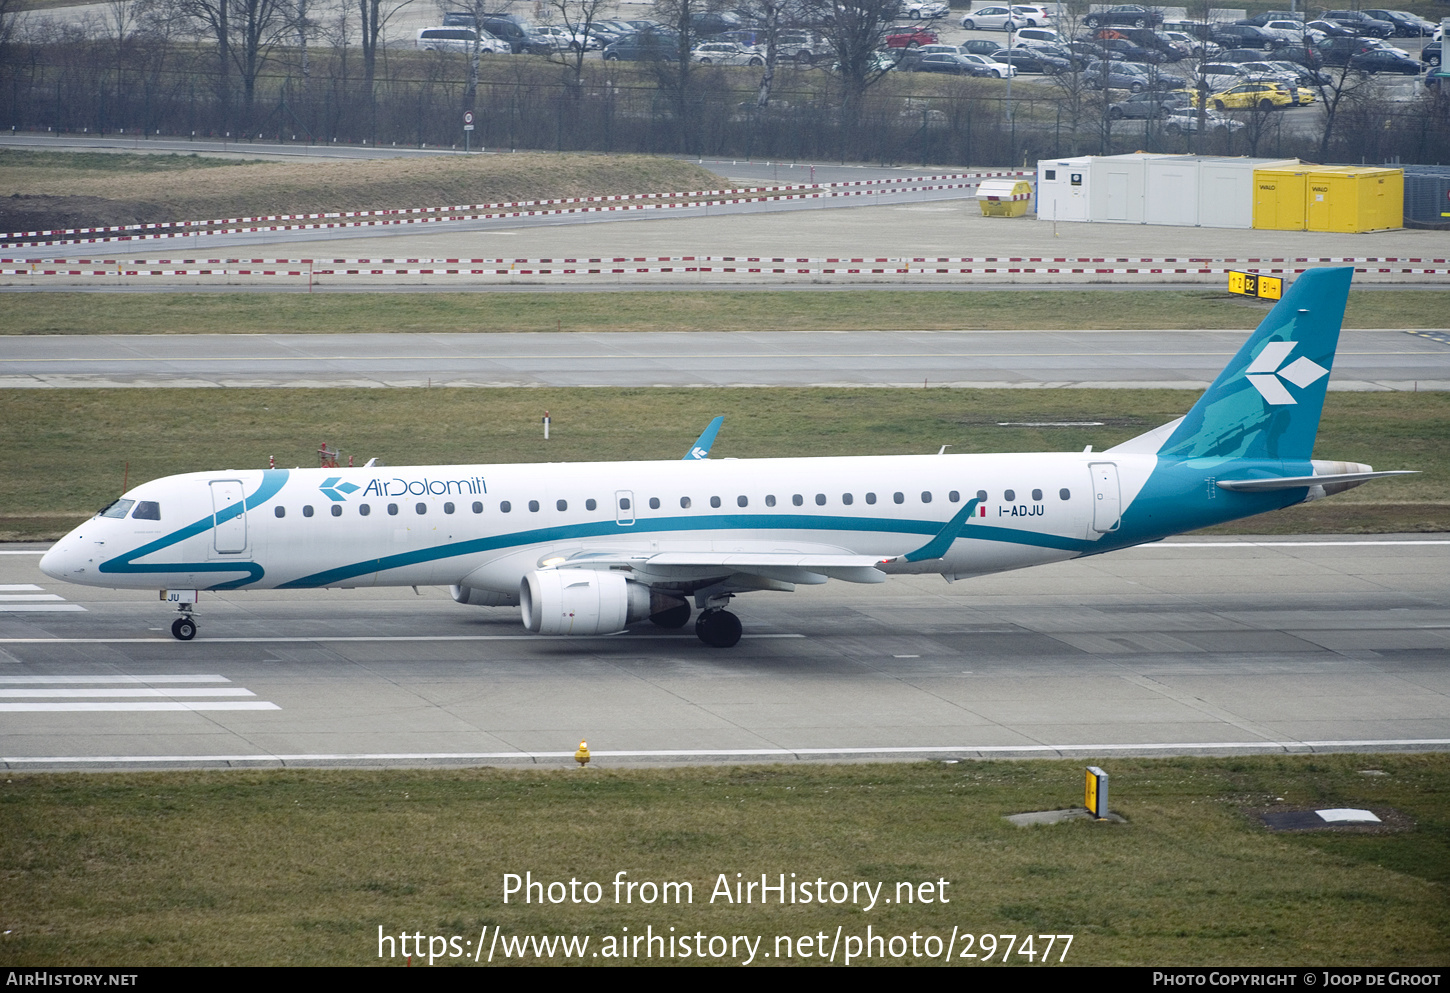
1267, 401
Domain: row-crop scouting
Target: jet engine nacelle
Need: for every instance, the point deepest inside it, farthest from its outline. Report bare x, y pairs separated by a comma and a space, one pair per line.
581, 601
475, 597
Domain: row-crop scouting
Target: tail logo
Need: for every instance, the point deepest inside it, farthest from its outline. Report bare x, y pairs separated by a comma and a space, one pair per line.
1268, 373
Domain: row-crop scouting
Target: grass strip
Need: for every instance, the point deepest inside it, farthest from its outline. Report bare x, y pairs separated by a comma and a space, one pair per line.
685, 310
304, 867
69, 450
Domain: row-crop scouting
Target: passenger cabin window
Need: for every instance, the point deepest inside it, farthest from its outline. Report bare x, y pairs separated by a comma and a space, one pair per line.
623, 503
871, 498
1064, 494
337, 510
421, 508
590, 504
364, 510
1009, 495
533, 506
505, 507
982, 496
898, 497
846, 498
477, 507
307, 510
714, 501
280, 511
770, 499
1036, 495
954, 497
147, 510
392, 510
117, 508
820, 499
654, 503
742, 501
561, 505
797, 499
448, 508
684, 503
926, 496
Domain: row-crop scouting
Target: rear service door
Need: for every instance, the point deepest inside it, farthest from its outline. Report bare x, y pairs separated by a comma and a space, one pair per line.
229, 517
1107, 499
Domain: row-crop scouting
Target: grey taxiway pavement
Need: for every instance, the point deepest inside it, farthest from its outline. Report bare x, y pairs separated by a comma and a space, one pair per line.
1199, 646
1366, 360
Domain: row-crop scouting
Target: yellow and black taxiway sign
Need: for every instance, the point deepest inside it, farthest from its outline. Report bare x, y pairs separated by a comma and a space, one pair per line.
1251, 284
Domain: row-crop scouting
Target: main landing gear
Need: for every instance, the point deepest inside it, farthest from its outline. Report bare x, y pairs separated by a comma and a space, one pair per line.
718, 628
184, 627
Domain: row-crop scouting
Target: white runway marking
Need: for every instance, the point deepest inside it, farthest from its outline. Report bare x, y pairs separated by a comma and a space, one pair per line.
30, 596
35, 608
171, 693
63, 699
1295, 747
12, 708
17, 587
76, 680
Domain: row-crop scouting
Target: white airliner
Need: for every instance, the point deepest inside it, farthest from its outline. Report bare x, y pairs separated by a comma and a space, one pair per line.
590, 548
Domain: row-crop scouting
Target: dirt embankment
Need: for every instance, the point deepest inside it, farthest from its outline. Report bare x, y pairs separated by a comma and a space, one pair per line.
46, 194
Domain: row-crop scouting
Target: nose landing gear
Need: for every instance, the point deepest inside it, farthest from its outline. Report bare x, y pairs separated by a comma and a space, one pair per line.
184, 627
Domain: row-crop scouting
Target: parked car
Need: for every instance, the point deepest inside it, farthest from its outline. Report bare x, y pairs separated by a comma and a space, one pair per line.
924, 10
979, 46
1131, 15
1246, 36
1438, 78
1192, 45
1034, 61
985, 65
1131, 52
644, 46
1385, 60
1186, 122
459, 40
518, 32
1332, 29
1430, 54
951, 63
726, 53
991, 19
1260, 94
1125, 76
1033, 15
1029, 37
1147, 105
1260, 20
911, 37
1362, 22
459, 19
802, 46
1407, 25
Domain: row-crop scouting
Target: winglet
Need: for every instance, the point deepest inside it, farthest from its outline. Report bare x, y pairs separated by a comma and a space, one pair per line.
938, 546
701, 448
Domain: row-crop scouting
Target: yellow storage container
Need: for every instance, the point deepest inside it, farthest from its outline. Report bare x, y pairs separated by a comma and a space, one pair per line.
1004, 197
1354, 198
1279, 199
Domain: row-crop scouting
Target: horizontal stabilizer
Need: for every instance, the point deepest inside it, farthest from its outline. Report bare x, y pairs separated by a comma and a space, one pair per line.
1342, 479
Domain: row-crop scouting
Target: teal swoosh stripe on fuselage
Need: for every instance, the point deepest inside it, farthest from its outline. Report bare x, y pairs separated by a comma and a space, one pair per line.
272, 482
727, 522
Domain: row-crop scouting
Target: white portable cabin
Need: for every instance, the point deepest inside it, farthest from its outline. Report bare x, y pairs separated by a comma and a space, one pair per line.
1062, 188
1143, 188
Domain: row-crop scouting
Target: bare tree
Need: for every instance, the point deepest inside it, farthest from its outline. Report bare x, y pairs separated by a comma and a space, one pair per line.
856, 31
374, 17
245, 32
677, 76
577, 17
769, 17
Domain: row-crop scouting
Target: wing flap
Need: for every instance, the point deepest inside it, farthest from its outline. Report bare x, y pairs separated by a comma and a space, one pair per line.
787, 567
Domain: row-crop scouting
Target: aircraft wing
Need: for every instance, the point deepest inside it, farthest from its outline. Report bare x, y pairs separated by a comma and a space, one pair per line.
804, 568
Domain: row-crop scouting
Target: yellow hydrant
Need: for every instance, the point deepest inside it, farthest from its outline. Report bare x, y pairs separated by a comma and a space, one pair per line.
582, 755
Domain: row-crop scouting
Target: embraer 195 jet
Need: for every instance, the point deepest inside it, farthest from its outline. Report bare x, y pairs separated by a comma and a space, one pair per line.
590, 548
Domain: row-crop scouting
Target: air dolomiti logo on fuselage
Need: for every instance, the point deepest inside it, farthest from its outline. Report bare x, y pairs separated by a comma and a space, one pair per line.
1267, 373
397, 486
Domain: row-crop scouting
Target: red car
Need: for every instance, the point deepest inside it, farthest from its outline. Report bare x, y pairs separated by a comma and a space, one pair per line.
910, 37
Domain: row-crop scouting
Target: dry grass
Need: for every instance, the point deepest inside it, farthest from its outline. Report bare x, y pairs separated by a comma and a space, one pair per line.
139, 191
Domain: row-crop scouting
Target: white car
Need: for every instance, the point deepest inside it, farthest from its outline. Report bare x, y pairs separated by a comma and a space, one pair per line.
1186, 122
1028, 37
923, 10
726, 53
991, 67
1293, 33
562, 40
992, 19
460, 40
1032, 15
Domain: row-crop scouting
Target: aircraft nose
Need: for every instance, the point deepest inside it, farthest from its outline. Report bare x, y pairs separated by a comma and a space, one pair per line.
65, 560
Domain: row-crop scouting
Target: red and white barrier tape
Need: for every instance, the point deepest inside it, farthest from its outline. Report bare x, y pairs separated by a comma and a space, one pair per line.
686, 264
525, 208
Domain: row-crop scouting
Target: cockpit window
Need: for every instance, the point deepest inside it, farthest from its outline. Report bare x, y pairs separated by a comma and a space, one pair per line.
147, 510
117, 509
